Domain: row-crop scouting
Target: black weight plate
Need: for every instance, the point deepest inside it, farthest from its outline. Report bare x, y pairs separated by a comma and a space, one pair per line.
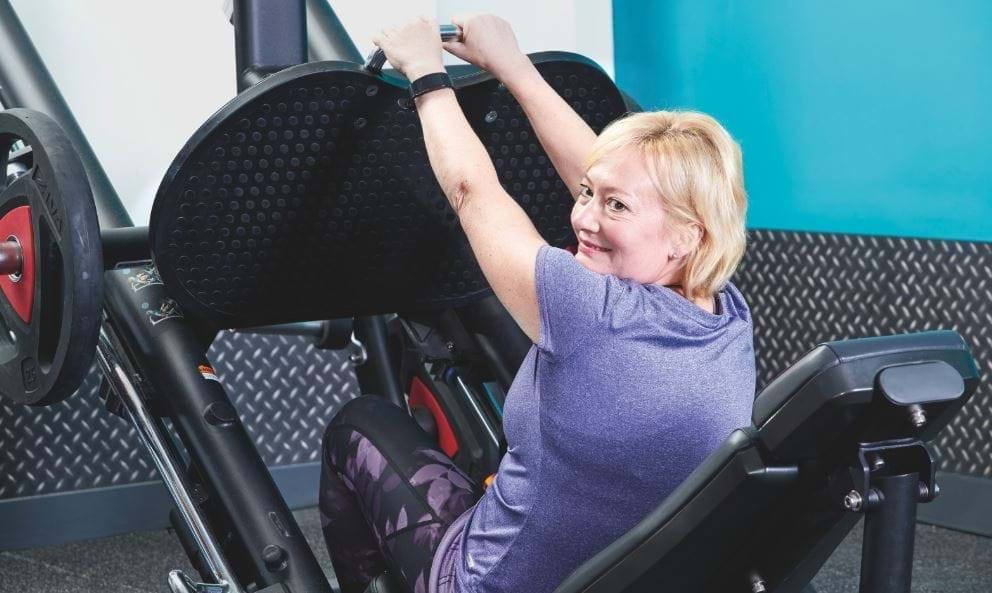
309, 196
44, 360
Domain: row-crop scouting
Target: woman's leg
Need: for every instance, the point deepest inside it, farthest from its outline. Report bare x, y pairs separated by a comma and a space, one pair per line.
387, 495
353, 548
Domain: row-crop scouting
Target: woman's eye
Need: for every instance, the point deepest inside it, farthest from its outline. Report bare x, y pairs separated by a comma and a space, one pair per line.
585, 192
615, 205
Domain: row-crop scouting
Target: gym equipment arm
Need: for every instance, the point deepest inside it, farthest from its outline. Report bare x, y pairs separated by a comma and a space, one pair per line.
124, 244
327, 38
269, 36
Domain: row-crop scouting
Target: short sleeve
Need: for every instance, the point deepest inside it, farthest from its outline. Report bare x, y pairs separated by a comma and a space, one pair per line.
573, 300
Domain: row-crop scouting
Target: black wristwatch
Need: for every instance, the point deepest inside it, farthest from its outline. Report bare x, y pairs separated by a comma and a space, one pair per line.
430, 82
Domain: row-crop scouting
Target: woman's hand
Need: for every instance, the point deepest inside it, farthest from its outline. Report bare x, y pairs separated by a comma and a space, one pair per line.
487, 42
414, 48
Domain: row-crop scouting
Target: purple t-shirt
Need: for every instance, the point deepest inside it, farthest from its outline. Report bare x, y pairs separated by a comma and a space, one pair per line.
628, 389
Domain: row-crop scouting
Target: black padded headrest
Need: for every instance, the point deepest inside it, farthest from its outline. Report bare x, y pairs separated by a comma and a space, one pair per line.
309, 196
806, 392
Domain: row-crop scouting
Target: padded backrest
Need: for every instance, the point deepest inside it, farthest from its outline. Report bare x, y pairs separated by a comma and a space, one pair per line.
761, 503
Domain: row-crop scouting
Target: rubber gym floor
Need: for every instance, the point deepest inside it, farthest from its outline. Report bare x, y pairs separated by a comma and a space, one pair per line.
946, 561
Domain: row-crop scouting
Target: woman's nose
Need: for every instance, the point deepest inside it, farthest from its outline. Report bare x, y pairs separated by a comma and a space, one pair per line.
586, 216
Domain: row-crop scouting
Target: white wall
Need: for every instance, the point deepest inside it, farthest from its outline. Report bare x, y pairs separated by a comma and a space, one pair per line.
141, 76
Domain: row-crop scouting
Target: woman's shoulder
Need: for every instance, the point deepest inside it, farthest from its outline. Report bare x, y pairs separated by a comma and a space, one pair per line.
651, 303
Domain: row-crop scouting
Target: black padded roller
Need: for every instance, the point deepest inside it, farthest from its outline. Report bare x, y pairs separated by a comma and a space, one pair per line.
309, 196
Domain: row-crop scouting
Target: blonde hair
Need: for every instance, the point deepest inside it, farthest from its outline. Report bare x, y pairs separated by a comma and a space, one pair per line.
697, 168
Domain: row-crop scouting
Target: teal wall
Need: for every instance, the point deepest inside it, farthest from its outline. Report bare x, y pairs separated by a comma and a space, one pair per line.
855, 117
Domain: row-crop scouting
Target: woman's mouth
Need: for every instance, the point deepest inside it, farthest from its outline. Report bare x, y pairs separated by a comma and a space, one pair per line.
588, 247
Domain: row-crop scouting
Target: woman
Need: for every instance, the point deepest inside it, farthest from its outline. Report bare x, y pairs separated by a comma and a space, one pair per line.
642, 360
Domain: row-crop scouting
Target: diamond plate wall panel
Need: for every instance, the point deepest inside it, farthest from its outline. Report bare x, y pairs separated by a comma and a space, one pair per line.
803, 288
285, 390
807, 288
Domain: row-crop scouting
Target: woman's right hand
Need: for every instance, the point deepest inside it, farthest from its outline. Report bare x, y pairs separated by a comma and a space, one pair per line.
488, 42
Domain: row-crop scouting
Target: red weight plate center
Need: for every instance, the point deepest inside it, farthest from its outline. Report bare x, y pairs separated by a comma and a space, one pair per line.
20, 294
420, 395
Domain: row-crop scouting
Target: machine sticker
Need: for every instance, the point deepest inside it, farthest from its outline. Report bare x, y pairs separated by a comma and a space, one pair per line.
208, 372
145, 277
167, 309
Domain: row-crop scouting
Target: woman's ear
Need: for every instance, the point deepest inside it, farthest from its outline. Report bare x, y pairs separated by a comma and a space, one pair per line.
688, 240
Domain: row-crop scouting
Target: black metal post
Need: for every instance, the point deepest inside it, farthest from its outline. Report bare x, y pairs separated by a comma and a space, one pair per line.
890, 534
269, 36
377, 376
124, 244
327, 38
173, 357
26, 82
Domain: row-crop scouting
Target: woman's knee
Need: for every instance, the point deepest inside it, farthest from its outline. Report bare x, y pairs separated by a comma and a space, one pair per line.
379, 420
371, 416
386, 426
362, 413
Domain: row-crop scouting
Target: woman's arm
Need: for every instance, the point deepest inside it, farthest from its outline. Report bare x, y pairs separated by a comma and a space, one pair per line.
488, 42
564, 135
502, 237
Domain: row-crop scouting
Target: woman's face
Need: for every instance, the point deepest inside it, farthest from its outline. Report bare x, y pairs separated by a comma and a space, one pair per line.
621, 225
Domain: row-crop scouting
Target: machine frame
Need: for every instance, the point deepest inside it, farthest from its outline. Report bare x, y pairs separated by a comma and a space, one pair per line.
128, 344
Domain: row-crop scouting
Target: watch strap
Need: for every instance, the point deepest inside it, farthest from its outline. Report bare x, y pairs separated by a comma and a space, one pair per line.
430, 82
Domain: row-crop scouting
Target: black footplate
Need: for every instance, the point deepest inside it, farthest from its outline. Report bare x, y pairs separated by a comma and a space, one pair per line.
309, 196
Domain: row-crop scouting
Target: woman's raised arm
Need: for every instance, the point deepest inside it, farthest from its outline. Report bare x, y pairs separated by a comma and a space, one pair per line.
488, 42
502, 237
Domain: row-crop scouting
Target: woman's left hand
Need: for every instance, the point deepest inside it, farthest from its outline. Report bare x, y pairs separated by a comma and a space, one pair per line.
414, 48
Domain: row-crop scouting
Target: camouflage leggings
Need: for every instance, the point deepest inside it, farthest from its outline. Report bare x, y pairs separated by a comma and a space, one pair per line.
387, 494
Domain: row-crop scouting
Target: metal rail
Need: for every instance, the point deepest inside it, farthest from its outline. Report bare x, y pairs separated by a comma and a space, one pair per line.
156, 444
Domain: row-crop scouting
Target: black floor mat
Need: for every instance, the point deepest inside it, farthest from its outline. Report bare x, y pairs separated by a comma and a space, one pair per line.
946, 562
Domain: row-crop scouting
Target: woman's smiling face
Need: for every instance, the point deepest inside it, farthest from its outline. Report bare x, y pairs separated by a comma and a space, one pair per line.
621, 225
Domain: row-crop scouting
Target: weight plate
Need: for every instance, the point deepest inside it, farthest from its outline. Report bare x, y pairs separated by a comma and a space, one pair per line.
50, 314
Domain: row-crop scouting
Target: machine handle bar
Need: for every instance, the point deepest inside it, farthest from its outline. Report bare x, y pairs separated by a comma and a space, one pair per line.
377, 59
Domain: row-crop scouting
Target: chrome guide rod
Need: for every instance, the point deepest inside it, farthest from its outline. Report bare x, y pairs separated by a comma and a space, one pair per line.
470, 396
154, 441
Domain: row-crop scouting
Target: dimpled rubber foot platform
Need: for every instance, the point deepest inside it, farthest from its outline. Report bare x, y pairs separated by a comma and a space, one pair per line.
309, 196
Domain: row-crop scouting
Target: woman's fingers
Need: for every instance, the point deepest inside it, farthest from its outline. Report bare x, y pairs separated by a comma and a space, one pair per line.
413, 48
456, 48
462, 18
